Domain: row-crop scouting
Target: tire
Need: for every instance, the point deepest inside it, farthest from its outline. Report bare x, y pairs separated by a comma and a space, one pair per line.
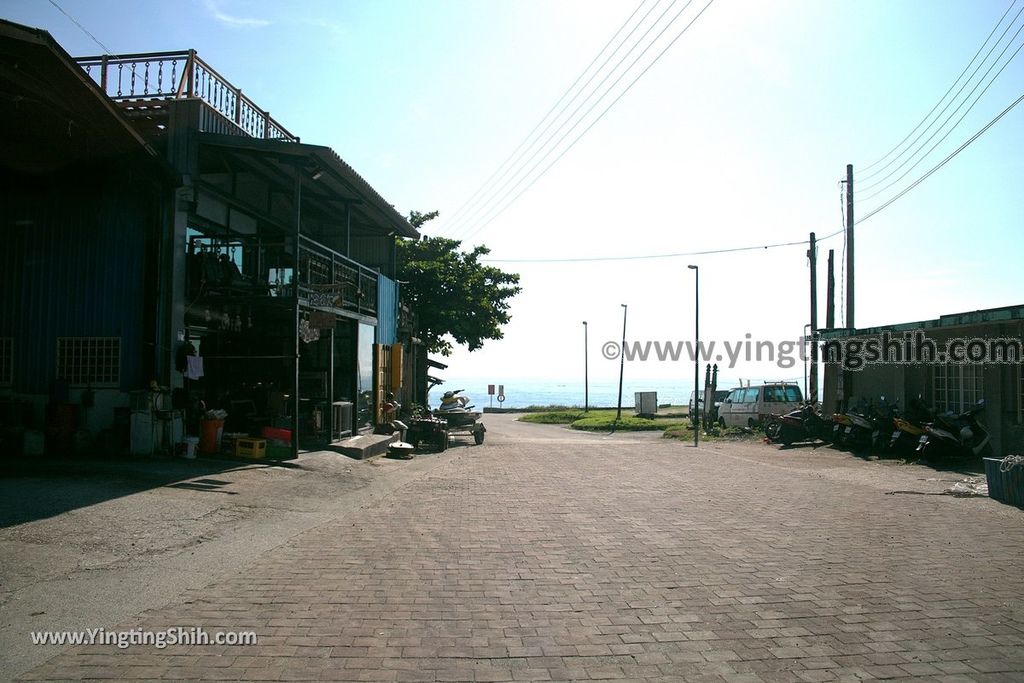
478, 436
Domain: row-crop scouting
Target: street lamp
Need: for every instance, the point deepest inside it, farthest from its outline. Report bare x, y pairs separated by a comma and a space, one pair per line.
586, 382
622, 362
696, 353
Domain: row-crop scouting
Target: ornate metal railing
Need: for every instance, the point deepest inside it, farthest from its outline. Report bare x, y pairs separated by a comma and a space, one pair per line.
155, 76
328, 279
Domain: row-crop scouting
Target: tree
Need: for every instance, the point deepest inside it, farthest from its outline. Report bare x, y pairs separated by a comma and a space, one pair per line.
451, 292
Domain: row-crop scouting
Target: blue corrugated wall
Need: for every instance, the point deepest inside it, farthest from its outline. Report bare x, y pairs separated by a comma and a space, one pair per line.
72, 263
387, 307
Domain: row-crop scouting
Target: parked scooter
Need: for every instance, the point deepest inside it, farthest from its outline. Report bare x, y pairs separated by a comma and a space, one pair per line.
908, 428
882, 418
859, 429
959, 436
803, 424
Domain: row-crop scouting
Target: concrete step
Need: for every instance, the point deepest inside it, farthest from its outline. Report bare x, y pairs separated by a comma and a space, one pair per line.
364, 446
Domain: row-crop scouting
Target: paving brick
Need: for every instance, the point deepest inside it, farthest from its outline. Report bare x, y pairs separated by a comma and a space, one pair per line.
619, 559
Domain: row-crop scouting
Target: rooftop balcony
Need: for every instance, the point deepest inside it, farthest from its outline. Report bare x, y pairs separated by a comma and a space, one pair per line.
143, 84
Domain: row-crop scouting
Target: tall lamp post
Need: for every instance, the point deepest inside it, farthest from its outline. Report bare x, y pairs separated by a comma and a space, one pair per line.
622, 362
696, 353
586, 381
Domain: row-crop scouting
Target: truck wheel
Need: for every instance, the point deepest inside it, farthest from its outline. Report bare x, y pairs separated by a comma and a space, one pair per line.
478, 436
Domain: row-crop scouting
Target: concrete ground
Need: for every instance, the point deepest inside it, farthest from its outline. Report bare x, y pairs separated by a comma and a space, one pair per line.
544, 554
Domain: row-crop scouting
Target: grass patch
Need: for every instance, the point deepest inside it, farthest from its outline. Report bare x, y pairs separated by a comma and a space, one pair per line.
685, 432
603, 420
554, 417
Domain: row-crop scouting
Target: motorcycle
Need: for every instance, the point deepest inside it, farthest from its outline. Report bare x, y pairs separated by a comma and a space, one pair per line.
882, 420
840, 422
857, 435
803, 424
960, 436
908, 428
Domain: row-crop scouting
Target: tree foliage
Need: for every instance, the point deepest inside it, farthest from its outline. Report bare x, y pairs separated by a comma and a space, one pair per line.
452, 293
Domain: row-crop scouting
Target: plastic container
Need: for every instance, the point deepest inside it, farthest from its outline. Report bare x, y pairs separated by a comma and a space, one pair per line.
191, 445
279, 434
250, 448
210, 432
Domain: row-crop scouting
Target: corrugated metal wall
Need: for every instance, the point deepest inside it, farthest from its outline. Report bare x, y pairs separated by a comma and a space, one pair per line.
387, 305
73, 264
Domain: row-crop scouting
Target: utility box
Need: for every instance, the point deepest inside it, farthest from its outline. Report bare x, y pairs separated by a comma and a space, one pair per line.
645, 403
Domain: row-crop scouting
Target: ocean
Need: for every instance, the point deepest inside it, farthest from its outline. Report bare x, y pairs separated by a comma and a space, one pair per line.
520, 393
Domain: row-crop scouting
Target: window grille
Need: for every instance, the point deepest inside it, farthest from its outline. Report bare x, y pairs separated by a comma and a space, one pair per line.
93, 361
957, 387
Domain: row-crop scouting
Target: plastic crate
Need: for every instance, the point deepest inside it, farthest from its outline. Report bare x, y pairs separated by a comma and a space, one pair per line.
250, 448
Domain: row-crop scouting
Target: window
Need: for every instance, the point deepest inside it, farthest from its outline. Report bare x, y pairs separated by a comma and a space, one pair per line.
955, 388
750, 395
94, 361
6, 361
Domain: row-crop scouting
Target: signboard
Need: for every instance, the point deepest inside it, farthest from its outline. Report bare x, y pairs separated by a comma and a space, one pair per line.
490, 390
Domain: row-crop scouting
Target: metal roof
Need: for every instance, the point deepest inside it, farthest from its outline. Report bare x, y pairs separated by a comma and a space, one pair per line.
55, 115
988, 315
339, 180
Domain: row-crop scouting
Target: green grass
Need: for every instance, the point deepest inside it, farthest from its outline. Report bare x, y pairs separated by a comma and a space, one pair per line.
601, 420
605, 422
685, 433
554, 417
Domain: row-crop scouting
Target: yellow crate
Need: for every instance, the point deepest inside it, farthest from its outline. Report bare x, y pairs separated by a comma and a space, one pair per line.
250, 448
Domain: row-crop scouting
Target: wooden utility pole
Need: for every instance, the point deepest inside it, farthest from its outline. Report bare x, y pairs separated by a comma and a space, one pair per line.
812, 255
849, 247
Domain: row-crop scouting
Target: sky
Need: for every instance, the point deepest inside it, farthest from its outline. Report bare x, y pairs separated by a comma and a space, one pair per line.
737, 135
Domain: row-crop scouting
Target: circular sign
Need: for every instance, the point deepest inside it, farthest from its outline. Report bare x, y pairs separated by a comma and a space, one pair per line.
501, 398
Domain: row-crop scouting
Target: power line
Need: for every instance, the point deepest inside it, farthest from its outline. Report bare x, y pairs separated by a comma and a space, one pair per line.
943, 162
941, 99
943, 138
875, 184
106, 50
605, 111
595, 259
488, 207
860, 220
525, 140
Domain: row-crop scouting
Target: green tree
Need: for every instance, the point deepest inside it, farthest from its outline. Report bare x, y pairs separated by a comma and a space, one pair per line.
452, 293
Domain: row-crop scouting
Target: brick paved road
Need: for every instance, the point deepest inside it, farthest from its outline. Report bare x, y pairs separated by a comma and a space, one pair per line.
575, 557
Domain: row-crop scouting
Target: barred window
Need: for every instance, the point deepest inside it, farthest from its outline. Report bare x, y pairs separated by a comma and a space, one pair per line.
957, 387
94, 361
6, 361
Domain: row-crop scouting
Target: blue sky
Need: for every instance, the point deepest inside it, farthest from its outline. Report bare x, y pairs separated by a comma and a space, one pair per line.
737, 136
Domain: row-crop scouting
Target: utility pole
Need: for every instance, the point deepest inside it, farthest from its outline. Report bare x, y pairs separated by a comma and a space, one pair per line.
696, 352
586, 378
622, 362
812, 388
849, 247
830, 293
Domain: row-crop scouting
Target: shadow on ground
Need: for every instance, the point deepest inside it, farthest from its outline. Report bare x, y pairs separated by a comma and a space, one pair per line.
31, 490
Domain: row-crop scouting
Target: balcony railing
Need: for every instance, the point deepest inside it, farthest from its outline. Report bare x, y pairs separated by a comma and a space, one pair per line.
234, 267
153, 77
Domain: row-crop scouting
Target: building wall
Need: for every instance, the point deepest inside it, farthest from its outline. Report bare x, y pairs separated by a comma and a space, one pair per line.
387, 306
1001, 384
78, 261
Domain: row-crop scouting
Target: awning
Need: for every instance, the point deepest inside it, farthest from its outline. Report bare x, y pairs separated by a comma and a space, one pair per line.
326, 176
